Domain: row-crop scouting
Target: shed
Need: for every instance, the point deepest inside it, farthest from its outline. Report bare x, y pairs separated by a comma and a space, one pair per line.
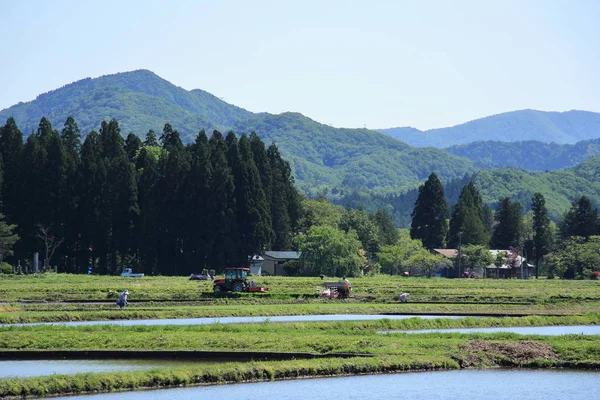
273, 261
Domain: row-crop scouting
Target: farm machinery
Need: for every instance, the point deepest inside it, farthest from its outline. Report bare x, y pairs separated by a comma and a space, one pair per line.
236, 280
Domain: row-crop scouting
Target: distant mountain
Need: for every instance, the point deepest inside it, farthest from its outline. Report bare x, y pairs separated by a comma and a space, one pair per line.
321, 156
560, 127
351, 158
139, 100
529, 155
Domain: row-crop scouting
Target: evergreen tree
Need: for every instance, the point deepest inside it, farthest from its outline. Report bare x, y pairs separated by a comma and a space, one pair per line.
111, 139
71, 139
467, 217
13, 186
121, 190
259, 155
581, 220
173, 166
151, 139
429, 215
1, 175
282, 225
222, 205
196, 202
94, 241
542, 231
258, 229
132, 145
509, 225
148, 200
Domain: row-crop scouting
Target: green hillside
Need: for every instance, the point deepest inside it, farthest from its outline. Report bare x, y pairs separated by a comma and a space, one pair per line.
560, 127
323, 156
527, 155
139, 100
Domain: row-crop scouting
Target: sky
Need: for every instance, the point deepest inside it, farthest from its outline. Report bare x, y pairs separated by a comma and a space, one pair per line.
374, 64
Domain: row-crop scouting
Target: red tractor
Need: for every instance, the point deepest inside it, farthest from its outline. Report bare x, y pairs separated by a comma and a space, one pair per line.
236, 280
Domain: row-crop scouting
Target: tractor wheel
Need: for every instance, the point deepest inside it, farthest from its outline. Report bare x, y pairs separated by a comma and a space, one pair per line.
217, 289
238, 287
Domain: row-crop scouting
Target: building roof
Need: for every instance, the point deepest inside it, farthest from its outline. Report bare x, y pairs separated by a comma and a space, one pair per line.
283, 255
450, 253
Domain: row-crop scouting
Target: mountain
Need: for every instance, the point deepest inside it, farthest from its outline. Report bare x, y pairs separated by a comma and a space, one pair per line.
560, 127
559, 188
528, 155
322, 156
139, 100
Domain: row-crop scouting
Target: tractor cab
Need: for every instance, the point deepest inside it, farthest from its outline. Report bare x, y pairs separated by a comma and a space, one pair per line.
236, 280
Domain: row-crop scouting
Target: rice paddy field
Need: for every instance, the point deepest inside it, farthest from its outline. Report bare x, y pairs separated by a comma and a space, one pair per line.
492, 303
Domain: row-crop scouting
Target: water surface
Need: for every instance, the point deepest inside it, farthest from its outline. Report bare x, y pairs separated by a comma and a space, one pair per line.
29, 368
247, 320
447, 385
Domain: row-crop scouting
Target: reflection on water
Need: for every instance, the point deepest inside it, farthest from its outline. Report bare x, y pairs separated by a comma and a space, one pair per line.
529, 330
447, 385
23, 369
247, 320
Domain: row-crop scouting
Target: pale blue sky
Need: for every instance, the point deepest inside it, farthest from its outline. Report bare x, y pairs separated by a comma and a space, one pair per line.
370, 63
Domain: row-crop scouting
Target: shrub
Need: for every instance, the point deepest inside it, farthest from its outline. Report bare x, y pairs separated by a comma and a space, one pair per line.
6, 268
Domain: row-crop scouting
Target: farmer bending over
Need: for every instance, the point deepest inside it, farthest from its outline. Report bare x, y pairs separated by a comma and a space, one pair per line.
122, 301
403, 297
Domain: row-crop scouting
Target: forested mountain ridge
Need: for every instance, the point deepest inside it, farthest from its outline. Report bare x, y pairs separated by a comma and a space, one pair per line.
140, 100
528, 155
560, 127
321, 156
559, 188
324, 156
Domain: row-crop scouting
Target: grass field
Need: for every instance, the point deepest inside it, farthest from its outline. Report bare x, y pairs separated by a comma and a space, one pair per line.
63, 297
52, 297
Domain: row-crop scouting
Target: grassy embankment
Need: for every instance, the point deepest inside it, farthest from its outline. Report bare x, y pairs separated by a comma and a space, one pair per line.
68, 297
390, 353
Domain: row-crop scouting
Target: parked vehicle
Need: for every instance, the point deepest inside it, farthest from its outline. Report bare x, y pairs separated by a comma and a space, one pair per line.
200, 277
236, 280
128, 273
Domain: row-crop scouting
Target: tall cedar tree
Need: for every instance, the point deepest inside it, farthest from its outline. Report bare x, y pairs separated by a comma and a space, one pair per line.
429, 215
240, 181
132, 145
11, 147
468, 218
151, 139
542, 232
509, 225
582, 219
196, 195
91, 190
222, 206
259, 231
280, 215
173, 166
71, 139
259, 155
148, 200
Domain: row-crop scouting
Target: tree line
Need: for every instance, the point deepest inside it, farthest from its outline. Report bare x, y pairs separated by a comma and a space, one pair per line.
566, 250
156, 205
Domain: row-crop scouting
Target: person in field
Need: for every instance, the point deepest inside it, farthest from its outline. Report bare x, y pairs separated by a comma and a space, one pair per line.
403, 297
122, 301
